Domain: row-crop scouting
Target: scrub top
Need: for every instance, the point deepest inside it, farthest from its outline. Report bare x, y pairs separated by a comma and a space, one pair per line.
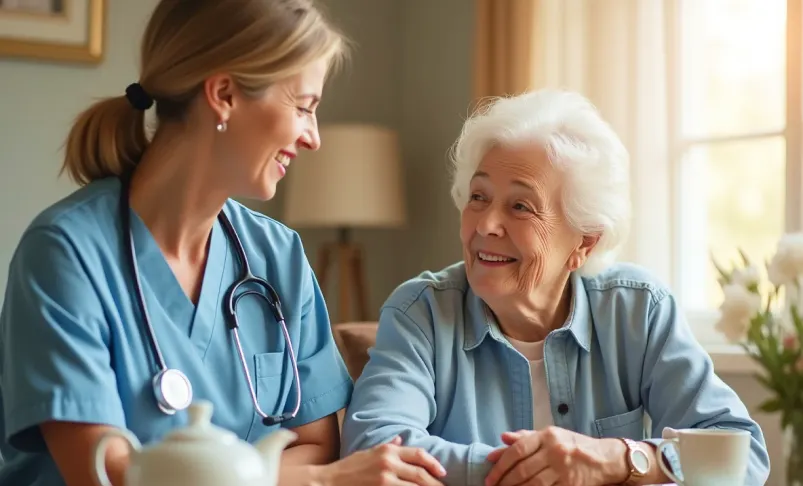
74, 347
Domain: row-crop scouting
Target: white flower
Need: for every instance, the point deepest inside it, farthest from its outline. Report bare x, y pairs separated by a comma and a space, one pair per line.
737, 309
746, 276
786, 265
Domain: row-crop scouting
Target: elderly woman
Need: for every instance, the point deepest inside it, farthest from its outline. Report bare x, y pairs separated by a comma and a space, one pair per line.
537, 359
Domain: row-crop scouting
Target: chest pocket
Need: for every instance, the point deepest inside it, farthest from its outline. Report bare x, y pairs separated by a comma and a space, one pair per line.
271, 385
629, 424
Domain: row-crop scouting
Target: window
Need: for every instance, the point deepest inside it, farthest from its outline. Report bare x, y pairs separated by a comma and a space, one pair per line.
734, 135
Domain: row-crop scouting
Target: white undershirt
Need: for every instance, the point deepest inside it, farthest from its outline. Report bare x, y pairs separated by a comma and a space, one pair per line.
534, 352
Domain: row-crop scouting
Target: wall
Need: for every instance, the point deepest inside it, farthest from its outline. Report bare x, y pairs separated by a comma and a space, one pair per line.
436, 91
37, 103
367, 90
407, 72
410, 73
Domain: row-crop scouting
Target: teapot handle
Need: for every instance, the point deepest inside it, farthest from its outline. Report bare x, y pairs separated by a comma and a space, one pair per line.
100, 452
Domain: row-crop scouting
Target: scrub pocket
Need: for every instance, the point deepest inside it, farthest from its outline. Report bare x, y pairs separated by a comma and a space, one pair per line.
270, 390
629, 424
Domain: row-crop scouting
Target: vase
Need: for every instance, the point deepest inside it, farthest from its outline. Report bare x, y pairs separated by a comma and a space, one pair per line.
794, 456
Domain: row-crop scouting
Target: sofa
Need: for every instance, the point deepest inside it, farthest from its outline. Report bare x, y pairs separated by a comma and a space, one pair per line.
353, 339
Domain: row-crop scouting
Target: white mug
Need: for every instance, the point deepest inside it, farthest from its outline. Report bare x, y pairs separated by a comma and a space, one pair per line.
708, 457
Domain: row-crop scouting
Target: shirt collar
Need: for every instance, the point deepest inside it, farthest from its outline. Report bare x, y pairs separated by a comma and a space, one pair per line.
482, 323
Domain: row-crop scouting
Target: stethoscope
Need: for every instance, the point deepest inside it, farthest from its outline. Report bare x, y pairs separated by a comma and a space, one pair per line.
171, 388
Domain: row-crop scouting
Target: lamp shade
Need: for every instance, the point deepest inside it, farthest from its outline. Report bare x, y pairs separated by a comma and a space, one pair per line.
354, 180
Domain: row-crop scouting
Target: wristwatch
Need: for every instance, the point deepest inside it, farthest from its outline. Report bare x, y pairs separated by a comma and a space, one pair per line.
638, 461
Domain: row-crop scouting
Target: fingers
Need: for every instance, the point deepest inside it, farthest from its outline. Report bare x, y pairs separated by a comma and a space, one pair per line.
422, 459
495, 454
415, 475
547, 477
511, 456
527, 469
510, 437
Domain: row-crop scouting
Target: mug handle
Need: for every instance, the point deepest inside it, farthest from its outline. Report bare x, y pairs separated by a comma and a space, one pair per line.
100, 452
659, 453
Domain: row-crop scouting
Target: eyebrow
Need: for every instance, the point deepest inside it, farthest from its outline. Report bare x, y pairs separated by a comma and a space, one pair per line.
517, 182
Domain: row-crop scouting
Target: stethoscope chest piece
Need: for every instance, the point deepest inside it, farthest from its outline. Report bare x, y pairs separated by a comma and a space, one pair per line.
172, 390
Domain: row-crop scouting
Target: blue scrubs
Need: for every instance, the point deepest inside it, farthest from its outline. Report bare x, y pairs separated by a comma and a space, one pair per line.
74, 347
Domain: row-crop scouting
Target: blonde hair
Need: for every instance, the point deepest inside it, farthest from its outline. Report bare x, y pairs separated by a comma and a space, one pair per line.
258, 42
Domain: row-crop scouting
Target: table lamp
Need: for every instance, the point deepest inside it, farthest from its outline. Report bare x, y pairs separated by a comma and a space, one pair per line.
354, 180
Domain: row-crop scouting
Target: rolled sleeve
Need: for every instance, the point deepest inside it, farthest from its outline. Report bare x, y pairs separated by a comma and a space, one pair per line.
55, 343
325, 383
395, 396
681, 390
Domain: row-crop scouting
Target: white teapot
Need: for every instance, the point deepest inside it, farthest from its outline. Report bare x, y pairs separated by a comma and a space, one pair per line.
201, 454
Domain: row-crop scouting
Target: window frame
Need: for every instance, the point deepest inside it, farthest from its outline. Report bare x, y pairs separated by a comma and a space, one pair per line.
702, 320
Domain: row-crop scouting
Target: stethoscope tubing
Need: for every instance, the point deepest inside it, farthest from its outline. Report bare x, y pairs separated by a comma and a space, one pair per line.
272, 299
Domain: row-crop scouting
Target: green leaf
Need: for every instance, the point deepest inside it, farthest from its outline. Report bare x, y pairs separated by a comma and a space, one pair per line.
798, 322
764, 381
770, 406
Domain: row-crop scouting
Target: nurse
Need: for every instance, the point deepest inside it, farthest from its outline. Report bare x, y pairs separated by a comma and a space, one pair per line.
129, 276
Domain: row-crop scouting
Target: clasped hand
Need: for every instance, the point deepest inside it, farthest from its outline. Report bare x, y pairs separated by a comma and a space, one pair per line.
554, 456
388, 464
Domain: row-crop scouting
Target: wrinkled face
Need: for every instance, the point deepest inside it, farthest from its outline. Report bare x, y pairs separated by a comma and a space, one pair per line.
265, 134
516, 240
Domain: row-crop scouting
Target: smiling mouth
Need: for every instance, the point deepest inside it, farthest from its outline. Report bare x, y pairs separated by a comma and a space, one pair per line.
283, 159
494, 258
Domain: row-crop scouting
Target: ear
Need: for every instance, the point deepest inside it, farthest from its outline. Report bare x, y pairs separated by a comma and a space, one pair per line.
581, 253
219, 92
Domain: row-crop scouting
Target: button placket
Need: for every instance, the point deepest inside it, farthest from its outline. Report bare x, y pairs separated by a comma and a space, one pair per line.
558, 380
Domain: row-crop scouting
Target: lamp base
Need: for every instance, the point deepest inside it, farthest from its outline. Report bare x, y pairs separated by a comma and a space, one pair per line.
351, 279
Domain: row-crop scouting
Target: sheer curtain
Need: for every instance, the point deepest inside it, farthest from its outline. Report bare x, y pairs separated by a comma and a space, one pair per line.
503, 48
614, 52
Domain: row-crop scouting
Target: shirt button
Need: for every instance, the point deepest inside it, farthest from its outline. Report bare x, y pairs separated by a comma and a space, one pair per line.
563, 409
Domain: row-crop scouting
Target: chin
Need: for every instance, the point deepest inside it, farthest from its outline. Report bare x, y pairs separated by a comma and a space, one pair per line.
489, 287
262, 189
268, 193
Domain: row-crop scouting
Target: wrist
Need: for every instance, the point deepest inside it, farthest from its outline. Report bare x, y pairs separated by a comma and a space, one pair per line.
615, 466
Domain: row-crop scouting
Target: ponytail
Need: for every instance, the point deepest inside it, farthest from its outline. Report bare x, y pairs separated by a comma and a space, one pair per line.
257, 42
106, 140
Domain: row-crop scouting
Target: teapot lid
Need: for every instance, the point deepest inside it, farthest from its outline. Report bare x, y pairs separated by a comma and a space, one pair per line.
200, 426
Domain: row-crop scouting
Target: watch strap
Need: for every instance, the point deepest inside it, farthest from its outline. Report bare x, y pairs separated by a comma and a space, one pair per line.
634, 475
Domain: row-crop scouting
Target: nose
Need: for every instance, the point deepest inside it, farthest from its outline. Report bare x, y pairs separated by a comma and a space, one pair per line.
491, 223
311, 139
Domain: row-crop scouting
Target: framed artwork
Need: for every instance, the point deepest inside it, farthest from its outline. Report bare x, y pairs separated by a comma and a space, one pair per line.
53, 30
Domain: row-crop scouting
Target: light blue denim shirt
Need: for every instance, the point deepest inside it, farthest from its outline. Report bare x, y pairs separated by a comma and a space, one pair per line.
444, 378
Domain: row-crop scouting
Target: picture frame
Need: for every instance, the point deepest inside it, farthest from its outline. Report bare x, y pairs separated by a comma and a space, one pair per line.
53, 30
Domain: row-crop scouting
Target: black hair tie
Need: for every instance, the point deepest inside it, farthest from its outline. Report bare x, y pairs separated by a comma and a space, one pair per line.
138, 97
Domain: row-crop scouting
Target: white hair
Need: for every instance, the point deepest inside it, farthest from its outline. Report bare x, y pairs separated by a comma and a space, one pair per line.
578, 142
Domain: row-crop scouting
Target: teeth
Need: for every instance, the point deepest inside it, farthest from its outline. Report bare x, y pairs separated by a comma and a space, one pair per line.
493, 258
283, 159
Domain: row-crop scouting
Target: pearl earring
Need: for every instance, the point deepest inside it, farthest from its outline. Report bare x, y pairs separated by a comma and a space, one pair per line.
221, 127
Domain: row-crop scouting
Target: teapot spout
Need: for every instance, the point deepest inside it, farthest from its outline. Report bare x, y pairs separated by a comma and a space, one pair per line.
271, 448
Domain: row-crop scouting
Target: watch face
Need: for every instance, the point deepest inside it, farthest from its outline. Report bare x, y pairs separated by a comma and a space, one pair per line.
640, 461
